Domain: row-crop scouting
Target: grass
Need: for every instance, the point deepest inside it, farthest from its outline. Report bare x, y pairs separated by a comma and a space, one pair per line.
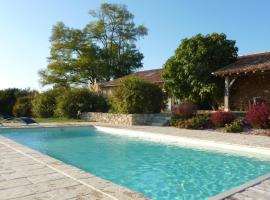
61, 119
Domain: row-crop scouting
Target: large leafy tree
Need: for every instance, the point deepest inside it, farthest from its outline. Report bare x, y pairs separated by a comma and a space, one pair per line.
74, 59
187, 73
104, 49
115, 33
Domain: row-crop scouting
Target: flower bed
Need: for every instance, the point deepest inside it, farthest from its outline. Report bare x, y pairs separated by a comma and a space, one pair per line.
256, 121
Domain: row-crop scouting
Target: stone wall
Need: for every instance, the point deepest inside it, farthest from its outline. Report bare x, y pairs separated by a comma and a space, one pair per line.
246, 87
127, 119
150, 119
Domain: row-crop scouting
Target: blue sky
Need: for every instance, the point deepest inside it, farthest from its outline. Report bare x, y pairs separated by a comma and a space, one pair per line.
26, 27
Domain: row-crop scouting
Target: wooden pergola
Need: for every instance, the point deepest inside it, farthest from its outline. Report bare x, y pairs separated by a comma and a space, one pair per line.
246, 65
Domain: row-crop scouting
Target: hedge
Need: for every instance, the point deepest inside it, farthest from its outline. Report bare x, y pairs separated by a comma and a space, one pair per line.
134, 95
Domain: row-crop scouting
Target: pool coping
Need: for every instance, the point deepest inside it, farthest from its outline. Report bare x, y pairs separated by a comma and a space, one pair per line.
178, 140
160, 137
105, 187
240, 188
190, 141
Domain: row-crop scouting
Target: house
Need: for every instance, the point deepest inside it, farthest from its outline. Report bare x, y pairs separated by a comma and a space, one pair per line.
153, 76
247, 81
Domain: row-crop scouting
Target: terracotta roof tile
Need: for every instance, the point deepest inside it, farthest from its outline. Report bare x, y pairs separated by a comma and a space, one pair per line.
153, 76
247, 63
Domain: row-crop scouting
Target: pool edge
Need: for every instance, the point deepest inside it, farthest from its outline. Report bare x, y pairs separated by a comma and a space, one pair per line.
240, 188
193, 142
223, 195
189, 142
106, 187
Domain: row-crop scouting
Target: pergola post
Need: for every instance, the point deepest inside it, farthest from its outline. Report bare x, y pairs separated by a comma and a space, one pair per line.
227, 94
228, 84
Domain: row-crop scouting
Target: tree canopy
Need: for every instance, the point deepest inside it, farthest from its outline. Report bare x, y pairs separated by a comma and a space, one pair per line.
115, 33
105, 48
73, 60
187, 73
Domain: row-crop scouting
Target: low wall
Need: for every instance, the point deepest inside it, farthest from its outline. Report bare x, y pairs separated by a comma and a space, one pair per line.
127, 119
117, 119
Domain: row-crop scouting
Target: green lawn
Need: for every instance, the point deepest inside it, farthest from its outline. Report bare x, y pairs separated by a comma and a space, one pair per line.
50, 120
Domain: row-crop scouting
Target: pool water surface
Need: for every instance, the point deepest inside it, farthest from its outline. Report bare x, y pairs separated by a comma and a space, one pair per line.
159, 171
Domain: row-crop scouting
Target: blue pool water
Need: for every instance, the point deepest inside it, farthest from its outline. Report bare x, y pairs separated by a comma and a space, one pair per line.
159, 171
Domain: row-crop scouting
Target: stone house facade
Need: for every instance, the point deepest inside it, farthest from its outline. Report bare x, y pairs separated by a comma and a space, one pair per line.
246, 81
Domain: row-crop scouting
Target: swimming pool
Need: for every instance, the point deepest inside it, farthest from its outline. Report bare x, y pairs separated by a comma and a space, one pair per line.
159, 171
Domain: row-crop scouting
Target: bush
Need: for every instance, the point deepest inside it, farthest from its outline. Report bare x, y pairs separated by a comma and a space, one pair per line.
234, 127
44, 104
220, 118
175, 122
8, 98
184, 110
258, 116
72, 101
23, 106
134, 95
196, 122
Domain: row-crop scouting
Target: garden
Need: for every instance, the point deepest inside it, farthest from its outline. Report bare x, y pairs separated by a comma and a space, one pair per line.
255, 121
133, 95
59, 104
80, 57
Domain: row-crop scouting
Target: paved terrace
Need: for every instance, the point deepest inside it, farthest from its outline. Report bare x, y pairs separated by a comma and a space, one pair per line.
259, 191
28, 174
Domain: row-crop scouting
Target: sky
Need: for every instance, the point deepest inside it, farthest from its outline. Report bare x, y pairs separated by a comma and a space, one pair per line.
25, 28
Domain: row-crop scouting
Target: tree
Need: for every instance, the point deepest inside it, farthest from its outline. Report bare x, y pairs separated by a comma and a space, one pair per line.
187, 73
8, 98
115, 33
134, 95
44, 104
74, 59
23, 106
102, 50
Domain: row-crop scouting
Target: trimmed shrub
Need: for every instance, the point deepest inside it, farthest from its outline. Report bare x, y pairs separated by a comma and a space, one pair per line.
23, 106
134, 95
176, 122
72, 101
196, 122
234, 127
8, 98
258, 116
220, 118
44, 104
200, 121
184, 110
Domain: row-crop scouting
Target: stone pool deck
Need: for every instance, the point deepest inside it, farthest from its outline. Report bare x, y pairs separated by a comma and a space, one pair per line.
26, 174
41, 177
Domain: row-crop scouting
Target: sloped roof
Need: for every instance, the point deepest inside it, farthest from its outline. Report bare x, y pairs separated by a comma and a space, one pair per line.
247, 63
153, 76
